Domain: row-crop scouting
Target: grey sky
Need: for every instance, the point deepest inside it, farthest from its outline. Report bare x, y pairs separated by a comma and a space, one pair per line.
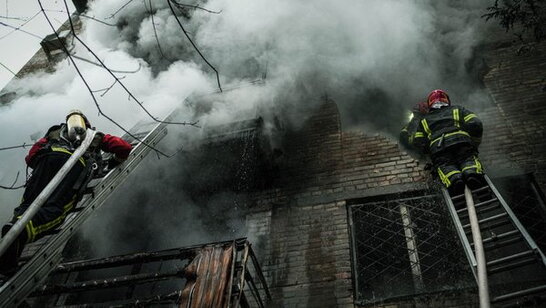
18, 47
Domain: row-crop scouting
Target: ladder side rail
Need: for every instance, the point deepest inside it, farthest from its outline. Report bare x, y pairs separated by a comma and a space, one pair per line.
532, 244
18, 227
460, 232
44, 261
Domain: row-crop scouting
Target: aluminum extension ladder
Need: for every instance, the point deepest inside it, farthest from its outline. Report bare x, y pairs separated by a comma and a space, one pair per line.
43, 256
516, 267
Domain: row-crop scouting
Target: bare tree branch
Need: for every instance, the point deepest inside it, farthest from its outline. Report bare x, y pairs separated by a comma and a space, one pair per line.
116, 78
24, 145
193, 44
86, 16
14, 18
115, 71
178, 4
118, 10
87, 85
12, 186
105, 90
7, 68
97, 20
20, 26
19, 29
151, 11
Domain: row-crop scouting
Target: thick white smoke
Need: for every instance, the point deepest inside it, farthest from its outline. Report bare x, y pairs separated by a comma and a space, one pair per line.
375, 58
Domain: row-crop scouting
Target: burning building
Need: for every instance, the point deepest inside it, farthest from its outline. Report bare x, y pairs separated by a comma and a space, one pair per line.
338, 216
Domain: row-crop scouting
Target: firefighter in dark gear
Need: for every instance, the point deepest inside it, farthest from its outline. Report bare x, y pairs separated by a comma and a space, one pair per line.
451, 136
46, 157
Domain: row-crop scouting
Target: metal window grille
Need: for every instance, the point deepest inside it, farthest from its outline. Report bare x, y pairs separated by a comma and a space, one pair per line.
405, 245
222, 274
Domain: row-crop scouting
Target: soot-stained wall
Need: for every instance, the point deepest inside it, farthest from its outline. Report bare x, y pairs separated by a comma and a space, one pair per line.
300, 226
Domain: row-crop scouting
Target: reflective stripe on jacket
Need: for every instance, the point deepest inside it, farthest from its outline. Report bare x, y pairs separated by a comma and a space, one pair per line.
447, 126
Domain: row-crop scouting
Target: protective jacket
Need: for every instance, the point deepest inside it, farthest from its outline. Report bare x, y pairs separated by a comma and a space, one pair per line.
46, 157
440, 129
55, 141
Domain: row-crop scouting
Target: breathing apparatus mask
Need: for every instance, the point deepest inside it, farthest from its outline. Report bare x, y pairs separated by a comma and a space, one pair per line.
76, 126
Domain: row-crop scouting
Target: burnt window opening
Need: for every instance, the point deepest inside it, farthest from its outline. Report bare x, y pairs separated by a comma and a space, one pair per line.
523, 195
233, 157
405, 245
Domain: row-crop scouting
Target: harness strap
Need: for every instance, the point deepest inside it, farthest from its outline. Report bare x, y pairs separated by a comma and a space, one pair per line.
63, 150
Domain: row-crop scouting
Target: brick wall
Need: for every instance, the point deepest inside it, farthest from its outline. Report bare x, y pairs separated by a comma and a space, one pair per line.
300, 226
515, 137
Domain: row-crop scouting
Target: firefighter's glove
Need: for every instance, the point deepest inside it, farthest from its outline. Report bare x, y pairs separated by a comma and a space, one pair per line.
113, 163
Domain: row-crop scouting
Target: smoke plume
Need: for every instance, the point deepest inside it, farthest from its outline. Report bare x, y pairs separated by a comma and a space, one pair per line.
374, 58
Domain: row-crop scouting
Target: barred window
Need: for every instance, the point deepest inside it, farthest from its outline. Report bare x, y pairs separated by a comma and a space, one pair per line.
405, 245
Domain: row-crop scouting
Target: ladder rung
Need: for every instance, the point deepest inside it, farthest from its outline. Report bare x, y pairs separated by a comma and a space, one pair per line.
484, 203
457, 197
498, 237
492, 225
496, 245
488, 219
483, 209
510, 266
519, 294
486, 187
510, 258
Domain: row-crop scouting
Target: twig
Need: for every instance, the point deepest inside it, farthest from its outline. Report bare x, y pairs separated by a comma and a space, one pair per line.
115, 71
118, 10
24, 145
115, 77
87, 85
193, 44
7, 68
20, 26
12, 186
19, 29
196, 7
14, 18
105, 90
97, 20
155, 31
86, 16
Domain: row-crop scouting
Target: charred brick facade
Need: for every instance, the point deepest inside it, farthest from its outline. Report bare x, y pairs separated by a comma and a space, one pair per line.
301, 226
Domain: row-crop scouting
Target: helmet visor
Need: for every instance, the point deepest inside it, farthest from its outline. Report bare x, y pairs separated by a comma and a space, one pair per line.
75, 126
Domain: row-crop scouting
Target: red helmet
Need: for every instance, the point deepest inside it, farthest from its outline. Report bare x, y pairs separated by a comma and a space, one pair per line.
438, 96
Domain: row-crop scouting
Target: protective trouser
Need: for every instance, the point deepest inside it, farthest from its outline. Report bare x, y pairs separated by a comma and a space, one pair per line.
458, 165
53, 211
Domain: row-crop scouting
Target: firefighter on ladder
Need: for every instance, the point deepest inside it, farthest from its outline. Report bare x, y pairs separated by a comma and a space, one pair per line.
451, 136
46, 157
